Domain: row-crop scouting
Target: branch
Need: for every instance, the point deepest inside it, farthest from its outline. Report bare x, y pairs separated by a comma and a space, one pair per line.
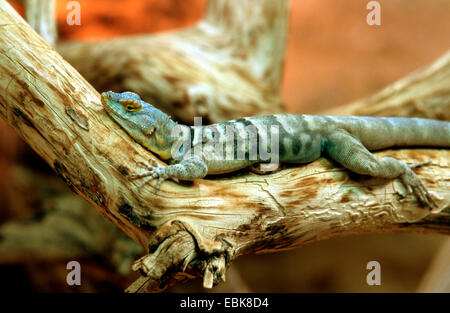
198, 228
234, 55
60, 116
425, 93
40, 15
62, 227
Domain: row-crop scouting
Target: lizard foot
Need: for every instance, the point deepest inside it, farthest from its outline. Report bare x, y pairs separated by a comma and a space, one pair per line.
153, 171
414, 185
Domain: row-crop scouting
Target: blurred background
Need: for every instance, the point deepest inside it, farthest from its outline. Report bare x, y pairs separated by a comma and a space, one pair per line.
333, 57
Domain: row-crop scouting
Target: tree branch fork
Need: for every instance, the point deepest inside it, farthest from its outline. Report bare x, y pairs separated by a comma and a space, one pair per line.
199, 228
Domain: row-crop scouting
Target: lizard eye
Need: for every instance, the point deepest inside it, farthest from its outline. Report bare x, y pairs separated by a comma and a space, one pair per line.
130, 105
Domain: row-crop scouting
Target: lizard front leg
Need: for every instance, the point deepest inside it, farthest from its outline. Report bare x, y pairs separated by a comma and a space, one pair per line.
189, 168
350, 152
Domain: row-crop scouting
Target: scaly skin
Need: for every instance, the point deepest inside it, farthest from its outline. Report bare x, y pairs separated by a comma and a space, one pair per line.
301, 139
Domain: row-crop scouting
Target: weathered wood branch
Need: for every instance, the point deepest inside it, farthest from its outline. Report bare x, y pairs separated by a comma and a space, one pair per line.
198, 227
63, 226
233, 56
41, 16
425, 93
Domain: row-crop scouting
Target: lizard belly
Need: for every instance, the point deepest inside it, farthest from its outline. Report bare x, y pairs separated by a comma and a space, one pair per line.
226, 166
302, 148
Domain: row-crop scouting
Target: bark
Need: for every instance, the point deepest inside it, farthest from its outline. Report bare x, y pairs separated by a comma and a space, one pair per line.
234, 55
425, 93
41, 16
62, 226
199, 228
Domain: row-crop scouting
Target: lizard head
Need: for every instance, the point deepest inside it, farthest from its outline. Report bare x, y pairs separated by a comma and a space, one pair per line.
146, 124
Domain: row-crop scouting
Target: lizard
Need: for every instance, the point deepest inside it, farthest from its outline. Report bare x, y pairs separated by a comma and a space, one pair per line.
301, 138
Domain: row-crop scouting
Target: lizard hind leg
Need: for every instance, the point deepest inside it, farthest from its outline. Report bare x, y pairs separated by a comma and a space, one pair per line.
351, 153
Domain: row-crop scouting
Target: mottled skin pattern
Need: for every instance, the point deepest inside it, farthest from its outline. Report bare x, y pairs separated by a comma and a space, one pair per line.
302, 139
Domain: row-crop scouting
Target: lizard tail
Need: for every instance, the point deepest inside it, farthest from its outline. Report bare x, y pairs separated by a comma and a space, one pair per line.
386, 132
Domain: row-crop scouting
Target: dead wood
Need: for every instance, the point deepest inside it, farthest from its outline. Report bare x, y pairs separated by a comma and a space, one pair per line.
41, 16
235, 55
61, 226
200, 228
424, 93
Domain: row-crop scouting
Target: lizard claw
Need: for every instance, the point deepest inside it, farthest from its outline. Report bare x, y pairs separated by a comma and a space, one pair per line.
414, 185
150, 167
414, 165
153, 171
158, 183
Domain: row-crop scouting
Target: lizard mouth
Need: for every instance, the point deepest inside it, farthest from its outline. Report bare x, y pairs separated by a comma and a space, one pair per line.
151, 133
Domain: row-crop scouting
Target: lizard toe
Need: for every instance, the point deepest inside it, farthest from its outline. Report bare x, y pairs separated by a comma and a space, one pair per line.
141, 175
414, 165
158, 183
415, 186
146, 181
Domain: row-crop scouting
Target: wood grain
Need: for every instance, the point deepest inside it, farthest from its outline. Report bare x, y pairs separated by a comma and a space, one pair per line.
204, 70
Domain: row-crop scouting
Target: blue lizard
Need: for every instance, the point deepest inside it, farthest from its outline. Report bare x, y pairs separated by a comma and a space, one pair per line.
300, 139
